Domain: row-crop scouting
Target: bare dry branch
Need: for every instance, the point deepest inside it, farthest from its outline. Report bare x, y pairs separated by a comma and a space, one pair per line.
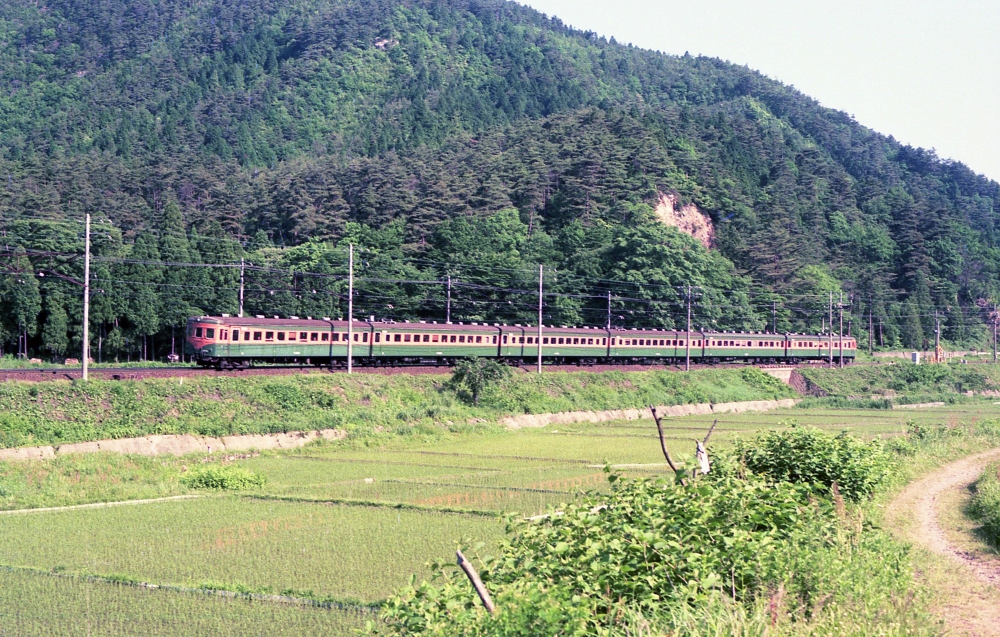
477, 583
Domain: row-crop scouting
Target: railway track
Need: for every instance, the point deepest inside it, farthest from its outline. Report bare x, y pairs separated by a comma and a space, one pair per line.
180, 371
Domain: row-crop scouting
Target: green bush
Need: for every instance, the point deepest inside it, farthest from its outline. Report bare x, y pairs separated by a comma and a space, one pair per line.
985, 505
810, 456
648, 546
222, 477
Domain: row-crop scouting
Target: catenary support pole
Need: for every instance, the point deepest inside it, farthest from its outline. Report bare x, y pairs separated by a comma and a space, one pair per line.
840, 331
774, 317
831, 328
609, 311
937, 337
243, 266
447, 312
350, 309
687, 339
86, 301
994, 333
539, 337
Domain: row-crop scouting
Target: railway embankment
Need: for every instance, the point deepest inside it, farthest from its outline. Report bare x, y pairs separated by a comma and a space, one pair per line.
61, 413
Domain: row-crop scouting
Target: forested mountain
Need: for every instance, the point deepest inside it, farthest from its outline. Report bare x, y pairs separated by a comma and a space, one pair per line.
474, 139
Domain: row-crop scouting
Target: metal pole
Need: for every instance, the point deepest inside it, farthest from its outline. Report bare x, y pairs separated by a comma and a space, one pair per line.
831, 328
350, 310
447, 318
840, 333
994, 333
540, 292
774, 317
86, 301
242, 274
687, 340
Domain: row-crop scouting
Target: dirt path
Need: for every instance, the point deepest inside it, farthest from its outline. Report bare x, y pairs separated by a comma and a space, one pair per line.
965, 584
99, 505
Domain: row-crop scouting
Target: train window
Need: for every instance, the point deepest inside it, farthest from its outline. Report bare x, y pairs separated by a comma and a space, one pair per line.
504, 339
435, 338
461, 338
427, 338
590, 341
531, 340
303, 336
561, 341
336, 337
325, 337
356, 337
810, 344
378, 337
452, 339
628, 341
364, 337
396, 338
236, 335
479, 339
576, 341
604, 341
198, 332
292, 336
281, 336
406, 338
224, 335
314, 336
256, 336
268, 336
545, 340
210, 333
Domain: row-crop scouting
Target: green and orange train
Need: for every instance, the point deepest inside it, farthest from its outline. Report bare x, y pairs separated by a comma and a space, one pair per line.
227, 342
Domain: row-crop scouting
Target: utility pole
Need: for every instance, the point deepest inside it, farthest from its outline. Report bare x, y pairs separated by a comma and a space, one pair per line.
774, 317
243, 265
840, 332
871, 325
350, 309
831, 328
937, 338
687, 341
994, 332
447, 315
540, 292
609, 310
86, 300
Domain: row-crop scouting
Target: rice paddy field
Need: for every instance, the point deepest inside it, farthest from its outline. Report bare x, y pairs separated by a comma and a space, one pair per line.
336, 528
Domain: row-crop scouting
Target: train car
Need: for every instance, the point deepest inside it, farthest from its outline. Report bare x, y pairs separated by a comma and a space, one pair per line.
232, 342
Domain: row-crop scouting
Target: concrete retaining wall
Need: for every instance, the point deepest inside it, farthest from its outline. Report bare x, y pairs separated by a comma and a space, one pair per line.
176, 445
702, 409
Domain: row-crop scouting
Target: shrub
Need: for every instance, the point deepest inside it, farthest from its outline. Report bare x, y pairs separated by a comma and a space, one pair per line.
810, 456
647, 546
479, 375
985, 504
222, 477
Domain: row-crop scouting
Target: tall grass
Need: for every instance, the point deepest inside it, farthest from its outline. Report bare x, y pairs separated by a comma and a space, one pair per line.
985, 503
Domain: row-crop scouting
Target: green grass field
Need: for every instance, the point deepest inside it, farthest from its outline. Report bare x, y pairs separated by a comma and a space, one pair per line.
345, 521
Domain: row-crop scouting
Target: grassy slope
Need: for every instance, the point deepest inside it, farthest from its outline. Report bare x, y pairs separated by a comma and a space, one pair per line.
910, 382
58, 412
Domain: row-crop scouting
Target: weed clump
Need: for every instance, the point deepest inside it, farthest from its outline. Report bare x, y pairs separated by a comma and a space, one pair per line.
222, 478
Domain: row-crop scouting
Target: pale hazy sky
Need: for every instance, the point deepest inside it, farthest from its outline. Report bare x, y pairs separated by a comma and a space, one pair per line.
924, 71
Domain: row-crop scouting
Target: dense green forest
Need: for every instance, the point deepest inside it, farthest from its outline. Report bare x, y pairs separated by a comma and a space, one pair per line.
471, 139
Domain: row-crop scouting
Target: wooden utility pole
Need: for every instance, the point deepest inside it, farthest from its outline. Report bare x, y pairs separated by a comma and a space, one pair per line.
994, 333
86, 300
541, 289
447, 315
350, 309
871, 325
774, 317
